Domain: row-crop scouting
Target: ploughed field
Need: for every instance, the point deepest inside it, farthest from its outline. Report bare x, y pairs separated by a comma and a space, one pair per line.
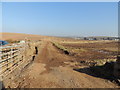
92, 50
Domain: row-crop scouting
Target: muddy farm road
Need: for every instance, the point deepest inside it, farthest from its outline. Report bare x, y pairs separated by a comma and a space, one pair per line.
48, 70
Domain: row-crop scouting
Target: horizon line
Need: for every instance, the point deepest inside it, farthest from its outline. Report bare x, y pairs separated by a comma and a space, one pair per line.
62, 35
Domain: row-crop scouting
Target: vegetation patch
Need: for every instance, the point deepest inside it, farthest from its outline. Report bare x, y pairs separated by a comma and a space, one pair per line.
65, 50
78, 50
12, 41
101, 62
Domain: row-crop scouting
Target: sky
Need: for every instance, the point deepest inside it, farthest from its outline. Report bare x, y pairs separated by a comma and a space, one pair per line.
61, 18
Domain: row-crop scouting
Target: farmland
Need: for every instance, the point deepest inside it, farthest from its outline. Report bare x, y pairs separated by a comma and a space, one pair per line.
90, 50
68, 63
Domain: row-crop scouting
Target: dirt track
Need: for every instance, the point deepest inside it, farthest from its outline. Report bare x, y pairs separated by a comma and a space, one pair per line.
49, 71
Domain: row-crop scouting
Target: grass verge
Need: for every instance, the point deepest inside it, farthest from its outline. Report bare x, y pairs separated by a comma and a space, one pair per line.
62, 48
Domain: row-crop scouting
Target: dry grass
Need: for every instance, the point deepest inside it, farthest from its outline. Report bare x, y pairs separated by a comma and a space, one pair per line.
85, 41
12, 41
103, 61
65, 50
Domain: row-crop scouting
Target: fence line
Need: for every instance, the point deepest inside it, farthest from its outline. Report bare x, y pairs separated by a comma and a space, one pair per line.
10, 57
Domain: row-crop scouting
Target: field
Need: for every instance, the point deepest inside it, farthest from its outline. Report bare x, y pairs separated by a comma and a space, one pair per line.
68, 63
92, 50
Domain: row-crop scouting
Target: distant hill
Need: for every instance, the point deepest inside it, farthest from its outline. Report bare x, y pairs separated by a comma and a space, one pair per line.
20, 36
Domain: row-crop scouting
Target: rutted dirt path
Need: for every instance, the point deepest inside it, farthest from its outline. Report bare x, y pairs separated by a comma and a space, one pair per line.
49, 71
